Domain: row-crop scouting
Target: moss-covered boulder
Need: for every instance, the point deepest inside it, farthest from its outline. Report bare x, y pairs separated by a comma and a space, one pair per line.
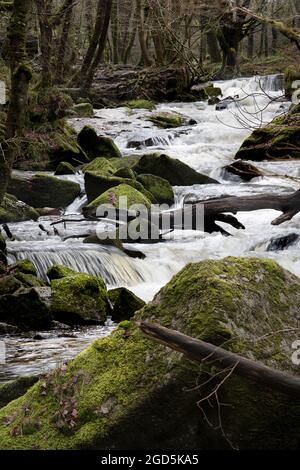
159, 187
131, 393
125, 162
291, 74
15, 389
125, 173
100, 166
58, 271
171, 169
14, 210
96, 184
278, 140
140, 104
112, 197
42, 190
124, 303
207, 92
79, 299
97, 146
65, 168
25, 309
83, 110
166, 120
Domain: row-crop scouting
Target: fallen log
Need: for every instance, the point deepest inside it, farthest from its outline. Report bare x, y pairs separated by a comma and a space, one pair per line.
203, 352
288, 204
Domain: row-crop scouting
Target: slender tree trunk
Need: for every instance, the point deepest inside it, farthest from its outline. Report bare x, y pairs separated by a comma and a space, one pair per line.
142, 34
115, 32
213, 47
20, 78
88, 80
61, 56
44, 8
250, 46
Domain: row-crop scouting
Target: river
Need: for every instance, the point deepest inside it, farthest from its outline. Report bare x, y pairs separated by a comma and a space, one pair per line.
207, 147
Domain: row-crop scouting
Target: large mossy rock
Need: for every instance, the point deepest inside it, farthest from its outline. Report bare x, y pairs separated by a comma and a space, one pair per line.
14, 210
278, 140
83, 110
100, 166
159, 187
171, 169
78, 298
131, 393
25, 309
114, 196
97, 146
125, 303
42, 190
97, 184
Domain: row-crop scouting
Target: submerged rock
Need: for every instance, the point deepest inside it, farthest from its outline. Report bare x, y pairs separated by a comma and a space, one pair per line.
42, 190
244, 170
131, 393
97, 146
14, 210
125, 303
166, 120
79, 299
282, 243
171, 169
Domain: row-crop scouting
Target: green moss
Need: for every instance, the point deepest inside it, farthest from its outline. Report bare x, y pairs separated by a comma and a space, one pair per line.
42, 190
278, 140
140, 104
25, 266
124, 304
166, 120
58, 271
100, 166
113, 195
13, 210
83, 110
125, 325
132, 393
159, 187
65, 168
97, 146
97, 184
79, 298
174, 171
15, 389
125, 173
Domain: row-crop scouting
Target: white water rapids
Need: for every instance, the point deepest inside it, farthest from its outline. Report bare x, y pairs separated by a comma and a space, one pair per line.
207, 147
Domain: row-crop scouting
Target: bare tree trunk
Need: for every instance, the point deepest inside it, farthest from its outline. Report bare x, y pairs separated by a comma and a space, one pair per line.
115, 31
61, 56
44, 8
20, 78
142, 34
88, 79
213, 47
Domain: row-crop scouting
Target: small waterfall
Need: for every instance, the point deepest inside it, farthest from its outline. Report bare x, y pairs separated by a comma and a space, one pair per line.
110, 264
77, 205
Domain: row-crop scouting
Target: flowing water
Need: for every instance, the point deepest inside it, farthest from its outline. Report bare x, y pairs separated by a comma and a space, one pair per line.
207, 147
